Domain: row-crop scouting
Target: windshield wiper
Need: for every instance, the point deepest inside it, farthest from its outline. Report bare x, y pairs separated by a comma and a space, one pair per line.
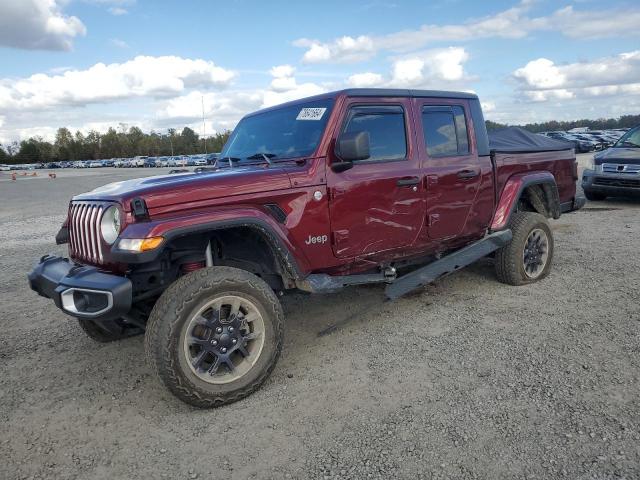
230, 160
631, 144
264, 156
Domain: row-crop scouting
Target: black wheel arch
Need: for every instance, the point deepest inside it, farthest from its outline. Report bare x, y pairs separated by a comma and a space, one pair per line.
284, 261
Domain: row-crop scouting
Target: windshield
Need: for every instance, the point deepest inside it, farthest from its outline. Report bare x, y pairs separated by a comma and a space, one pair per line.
286, 132
630, 139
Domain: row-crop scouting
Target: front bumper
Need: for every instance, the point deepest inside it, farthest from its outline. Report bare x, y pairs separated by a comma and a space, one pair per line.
611, 184
81, 291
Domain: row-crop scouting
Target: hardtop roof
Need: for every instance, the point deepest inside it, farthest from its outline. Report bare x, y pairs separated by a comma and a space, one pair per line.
373, 92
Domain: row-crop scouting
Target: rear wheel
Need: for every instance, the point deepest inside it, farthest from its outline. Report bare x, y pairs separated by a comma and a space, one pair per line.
108, 331
527, 257
214, 336
593, 196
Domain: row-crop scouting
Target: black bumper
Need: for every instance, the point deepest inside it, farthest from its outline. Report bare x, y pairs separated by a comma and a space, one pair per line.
611, 184
576, 204
80, 290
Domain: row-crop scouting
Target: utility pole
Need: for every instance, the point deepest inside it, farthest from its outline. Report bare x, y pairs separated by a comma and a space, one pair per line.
203, 126
171, 141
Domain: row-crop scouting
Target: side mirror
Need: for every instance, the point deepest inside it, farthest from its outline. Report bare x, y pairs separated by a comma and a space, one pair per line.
350, 147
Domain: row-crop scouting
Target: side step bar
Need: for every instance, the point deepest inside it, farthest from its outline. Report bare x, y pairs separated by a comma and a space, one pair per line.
449, 264
323, 283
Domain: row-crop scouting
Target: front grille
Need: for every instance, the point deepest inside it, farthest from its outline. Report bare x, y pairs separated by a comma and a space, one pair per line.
617, 182
85, 243
617, 168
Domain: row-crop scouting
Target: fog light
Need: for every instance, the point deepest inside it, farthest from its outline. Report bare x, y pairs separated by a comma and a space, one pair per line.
84, 302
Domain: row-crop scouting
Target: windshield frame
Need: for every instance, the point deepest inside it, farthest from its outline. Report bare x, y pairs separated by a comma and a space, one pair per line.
328, 102
623, 138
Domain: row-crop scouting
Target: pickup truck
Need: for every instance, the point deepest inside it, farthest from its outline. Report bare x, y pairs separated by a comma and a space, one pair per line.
359, 186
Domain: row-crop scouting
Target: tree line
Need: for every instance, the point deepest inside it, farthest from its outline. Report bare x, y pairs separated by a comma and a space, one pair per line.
127, 142
625, 121
123, 142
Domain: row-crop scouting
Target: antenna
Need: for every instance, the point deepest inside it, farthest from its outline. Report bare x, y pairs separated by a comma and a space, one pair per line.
203, 126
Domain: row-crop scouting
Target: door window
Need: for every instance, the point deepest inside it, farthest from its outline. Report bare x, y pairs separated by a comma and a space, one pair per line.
386, 127
445, 131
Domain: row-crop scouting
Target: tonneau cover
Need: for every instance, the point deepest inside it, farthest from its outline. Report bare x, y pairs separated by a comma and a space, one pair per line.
515, 139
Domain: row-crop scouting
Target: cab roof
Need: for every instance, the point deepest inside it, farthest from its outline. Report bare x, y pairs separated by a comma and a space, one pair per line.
374, 92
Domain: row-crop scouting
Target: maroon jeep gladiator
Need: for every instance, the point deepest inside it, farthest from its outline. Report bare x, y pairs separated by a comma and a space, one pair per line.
358, 186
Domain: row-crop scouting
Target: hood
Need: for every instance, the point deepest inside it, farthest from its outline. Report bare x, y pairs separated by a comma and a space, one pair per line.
623, 155
182, 188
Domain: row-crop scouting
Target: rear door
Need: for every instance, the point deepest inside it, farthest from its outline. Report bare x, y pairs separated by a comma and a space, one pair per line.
378, 204
452, 171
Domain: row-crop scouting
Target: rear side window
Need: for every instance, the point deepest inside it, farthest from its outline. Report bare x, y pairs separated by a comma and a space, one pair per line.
386, 127
445, 131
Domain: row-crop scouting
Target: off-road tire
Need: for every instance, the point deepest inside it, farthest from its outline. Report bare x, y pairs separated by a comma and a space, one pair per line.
171, 314
117, 330
594, 196
509, 259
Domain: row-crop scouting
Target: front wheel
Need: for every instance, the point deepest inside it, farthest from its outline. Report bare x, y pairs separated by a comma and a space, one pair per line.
527, 257
214, 336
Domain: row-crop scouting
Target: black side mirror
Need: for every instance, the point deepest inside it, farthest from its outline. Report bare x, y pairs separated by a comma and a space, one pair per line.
350, 147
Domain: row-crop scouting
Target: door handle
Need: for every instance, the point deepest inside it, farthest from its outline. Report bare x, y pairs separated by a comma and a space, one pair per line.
408, 181
468, 174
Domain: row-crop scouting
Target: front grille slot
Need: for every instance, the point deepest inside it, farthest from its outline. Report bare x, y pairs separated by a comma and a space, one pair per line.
617, 182
618, 168
85, 243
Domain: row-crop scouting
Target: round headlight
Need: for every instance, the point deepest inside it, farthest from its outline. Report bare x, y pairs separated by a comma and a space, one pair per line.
110, 224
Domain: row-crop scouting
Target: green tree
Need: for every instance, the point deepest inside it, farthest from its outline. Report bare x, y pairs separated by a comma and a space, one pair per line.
63, 143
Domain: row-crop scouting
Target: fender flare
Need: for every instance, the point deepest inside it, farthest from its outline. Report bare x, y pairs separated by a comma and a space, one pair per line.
279, 244
512, 192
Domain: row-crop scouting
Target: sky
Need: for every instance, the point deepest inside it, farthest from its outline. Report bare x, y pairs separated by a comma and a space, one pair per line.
91, 64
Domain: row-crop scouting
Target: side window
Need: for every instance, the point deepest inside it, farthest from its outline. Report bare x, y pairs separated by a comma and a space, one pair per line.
386, 127
445, 131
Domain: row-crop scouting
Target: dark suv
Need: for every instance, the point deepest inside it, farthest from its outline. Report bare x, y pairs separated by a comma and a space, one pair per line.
616, 170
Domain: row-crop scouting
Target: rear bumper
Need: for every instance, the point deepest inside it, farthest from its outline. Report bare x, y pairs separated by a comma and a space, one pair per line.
81, 291
623, 185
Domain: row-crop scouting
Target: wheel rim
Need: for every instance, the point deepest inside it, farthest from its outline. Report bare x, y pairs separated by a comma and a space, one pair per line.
536, 253
224, 339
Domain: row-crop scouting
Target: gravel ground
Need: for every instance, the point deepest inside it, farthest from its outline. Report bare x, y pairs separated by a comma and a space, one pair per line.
467, 378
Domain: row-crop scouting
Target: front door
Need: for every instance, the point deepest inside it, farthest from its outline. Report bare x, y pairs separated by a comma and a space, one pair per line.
451, 166
378, 204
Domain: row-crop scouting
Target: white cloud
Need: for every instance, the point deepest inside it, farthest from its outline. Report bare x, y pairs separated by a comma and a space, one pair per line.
488, 107
116, 42
541, 80
118, 11
512, 23
37, 25
364, 80
225, 109
140, 77
435, 68
280, 71
343, 49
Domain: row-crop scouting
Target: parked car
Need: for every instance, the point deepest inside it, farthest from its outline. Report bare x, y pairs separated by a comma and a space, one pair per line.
212, 158
95, 164
580, 146
150, 162
615, 172
344, 188
137, 161
4, 168
199, 160
162, 162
